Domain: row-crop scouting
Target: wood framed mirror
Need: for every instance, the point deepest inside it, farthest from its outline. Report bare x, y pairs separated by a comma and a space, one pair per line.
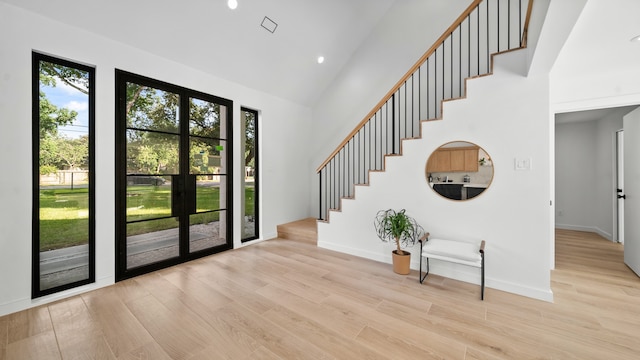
459, 170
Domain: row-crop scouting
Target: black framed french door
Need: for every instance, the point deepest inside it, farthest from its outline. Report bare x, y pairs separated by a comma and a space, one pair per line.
173, 174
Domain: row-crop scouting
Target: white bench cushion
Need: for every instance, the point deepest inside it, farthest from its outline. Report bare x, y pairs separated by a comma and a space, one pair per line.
456, 251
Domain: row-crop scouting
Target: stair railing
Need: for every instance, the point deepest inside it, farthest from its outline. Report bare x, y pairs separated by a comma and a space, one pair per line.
463, 51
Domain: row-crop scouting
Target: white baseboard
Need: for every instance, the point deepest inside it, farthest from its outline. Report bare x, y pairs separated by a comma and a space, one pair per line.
449, 270
355, 252
593, 229
23, 304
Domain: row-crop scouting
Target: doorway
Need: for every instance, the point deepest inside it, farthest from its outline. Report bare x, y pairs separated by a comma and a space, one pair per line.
173, 174
589, 170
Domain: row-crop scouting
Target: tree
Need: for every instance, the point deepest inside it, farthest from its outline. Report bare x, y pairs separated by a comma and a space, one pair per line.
249, 138
73, 153
48, 158
57, 151
52, 116
77, 79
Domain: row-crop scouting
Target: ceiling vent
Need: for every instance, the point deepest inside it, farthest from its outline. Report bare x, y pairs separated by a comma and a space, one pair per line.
269, 24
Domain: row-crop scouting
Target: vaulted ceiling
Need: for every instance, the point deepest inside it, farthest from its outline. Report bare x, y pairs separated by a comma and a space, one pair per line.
605, 27
232, 44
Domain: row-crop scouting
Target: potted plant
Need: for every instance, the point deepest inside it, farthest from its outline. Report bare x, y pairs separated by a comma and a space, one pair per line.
402, 229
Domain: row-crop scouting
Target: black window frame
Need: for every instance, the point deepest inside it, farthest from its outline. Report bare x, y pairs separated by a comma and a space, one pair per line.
256, 176
36, 58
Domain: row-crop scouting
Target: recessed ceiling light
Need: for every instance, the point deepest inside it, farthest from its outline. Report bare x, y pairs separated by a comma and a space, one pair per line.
232, 4
320, 59
635, 39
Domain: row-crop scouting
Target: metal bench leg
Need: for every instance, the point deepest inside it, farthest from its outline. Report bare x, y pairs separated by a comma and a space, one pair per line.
482, 269
427, 273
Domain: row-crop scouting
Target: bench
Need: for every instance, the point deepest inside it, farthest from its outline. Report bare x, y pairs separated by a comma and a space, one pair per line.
459, 252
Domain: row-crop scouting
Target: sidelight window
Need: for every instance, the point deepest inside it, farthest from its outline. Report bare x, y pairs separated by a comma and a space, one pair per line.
63, 175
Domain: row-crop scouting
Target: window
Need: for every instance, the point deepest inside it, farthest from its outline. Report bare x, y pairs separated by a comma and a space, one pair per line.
63, 175
250, 218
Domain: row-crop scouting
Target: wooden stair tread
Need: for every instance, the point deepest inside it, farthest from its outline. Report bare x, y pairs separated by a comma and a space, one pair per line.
305, 230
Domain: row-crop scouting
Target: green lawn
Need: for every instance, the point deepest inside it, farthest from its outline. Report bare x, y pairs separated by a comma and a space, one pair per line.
63, 218
64, 213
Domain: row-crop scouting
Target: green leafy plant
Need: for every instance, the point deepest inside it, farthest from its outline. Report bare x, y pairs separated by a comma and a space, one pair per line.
398, 227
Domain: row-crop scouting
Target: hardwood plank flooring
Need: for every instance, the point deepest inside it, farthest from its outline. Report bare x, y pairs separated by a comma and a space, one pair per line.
288, 299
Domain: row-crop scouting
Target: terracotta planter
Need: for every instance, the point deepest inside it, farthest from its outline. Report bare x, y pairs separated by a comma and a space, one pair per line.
401, 262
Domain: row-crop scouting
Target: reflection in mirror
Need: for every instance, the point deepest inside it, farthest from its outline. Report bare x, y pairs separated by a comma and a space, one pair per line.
459, 170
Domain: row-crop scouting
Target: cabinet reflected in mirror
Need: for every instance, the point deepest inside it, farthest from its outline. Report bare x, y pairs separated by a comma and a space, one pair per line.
459, 170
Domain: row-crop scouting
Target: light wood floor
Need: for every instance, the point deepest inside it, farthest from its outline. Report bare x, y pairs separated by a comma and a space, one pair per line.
287, 299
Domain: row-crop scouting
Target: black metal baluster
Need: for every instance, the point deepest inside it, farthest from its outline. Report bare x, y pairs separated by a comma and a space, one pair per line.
359, 160
343, 176
460, 60
520, 35
419, 93
413, 84
405, 115
338, 181
488, 50
451, 65
469, 45
478, 39
331, 178
443, 76
435, 84
375, 145
509, 25
320, 196
392, 120
428, 86
498, 20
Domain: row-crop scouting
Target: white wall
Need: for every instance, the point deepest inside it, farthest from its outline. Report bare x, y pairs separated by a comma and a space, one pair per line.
576, 175
284, 128
507, 115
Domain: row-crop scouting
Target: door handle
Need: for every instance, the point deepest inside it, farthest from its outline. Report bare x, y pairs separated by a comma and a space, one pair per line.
622, 196
177, 188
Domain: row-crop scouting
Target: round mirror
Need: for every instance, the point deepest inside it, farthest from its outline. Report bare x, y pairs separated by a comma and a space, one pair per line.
459, 170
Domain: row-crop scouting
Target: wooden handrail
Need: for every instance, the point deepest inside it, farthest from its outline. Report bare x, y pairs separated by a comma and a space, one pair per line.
415, 67
525, 29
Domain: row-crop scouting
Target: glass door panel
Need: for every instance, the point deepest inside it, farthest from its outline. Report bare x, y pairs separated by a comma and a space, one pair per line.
146, 244
152, 166
208, 174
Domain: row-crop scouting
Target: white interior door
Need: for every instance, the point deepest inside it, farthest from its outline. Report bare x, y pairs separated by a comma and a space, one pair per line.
620, 185
631, 125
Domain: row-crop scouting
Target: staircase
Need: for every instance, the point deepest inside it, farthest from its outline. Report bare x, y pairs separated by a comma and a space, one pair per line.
464, 51
303, 230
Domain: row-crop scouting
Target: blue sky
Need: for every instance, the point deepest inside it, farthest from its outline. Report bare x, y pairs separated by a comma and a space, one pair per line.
64, 96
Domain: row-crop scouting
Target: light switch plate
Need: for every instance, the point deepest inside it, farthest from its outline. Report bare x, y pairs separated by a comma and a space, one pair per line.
523, 163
